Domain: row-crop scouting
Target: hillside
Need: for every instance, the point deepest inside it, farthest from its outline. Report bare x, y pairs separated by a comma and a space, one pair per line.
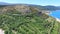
23, 19
47, 7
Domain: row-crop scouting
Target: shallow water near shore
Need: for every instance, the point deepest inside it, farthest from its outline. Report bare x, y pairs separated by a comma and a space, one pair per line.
55, 14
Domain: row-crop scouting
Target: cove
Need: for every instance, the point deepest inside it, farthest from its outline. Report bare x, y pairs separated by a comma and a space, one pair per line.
55, 14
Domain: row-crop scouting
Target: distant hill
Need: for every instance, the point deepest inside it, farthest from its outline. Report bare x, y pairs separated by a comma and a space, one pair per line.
49, 7
46, 7
4, 3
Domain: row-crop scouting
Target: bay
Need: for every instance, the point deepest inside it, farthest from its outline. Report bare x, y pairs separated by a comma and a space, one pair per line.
55, 14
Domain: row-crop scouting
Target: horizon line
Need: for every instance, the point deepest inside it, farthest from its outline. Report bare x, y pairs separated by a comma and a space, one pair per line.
31, 4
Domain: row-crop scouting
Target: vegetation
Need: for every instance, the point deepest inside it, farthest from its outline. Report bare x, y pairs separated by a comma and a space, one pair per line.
34, 22
16, 23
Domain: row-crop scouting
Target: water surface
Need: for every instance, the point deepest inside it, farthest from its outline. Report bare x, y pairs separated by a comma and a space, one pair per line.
55, 14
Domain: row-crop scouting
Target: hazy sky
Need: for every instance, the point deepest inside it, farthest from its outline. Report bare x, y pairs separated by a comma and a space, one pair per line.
38, 2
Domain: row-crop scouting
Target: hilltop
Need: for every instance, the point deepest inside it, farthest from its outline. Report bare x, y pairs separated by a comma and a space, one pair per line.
27, 19
47, 7
4, 3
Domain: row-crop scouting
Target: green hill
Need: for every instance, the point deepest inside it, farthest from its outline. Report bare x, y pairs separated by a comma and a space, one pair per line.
33, 21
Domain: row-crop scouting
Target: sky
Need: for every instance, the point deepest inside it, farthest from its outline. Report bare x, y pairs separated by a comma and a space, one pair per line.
36, 2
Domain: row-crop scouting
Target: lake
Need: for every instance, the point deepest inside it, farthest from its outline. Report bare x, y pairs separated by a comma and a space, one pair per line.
55, 14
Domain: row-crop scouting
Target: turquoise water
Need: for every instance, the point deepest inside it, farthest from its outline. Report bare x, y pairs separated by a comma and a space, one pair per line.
55, 14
